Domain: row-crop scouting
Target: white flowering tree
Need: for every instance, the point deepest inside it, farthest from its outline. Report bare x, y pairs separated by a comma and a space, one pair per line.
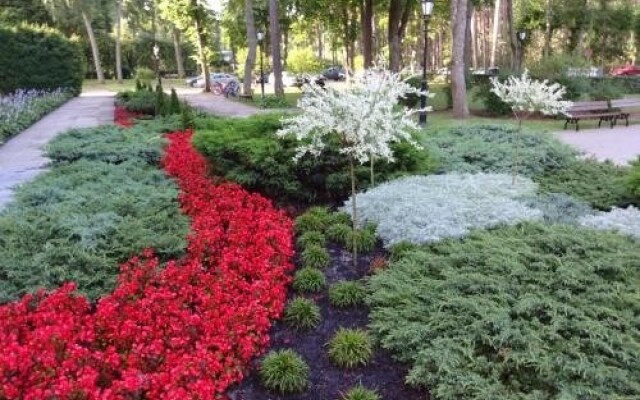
366, 118
527, 96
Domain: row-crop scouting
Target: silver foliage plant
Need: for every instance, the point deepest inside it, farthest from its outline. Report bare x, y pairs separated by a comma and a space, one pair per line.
423, 209
623, 220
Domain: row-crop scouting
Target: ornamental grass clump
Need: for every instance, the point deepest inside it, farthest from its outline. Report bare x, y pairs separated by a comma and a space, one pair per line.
527, 96
364, 119
314, 256
302, 314
350, 348
311, 238
339, 233
309, 280
311, 221
347, 294
423, 209
284, 371
360, 392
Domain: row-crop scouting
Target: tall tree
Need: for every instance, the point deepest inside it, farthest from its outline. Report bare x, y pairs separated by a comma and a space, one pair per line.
513, 40
458, 78
276, 36
367, 32
399, 13
119, 40
548, 29
177, 47
496, 31
250, 23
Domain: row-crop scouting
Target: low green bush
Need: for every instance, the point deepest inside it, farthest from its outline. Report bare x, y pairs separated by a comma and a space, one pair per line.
525, 312
78, 221
490, 149
247, 151
310, 238
302, 314
312, 221
309, 280
273, 102
346, 294
633, 181
350, 348
493, 105
360, 392
284, 371
142, 101
316, 257
340, 233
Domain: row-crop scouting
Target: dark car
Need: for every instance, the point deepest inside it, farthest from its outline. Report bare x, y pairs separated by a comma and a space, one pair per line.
304, 79
335, 73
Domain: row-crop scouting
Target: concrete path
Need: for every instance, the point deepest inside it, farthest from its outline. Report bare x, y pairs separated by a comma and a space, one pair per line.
22, 158
620, 144
218, 105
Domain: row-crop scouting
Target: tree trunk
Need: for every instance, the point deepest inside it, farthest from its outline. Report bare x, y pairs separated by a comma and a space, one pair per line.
496, 31
458, 79
367, 33
512, 37
474, 39
547, 30
119, 40
354, 210
94, 47
468, 46
320, 42
274, 23
285, 41
202, 45
250, 62
399, 12
177, 47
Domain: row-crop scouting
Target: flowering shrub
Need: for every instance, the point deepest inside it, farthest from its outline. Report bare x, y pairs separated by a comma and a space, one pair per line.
124, 118
183, 332
423, 209
625, 221
24, 107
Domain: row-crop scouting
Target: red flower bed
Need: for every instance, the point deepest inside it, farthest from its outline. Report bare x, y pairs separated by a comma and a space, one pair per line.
186, 331
124, 118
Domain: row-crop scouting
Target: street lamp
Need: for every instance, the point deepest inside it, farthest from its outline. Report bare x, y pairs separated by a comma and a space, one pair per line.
260, 37
427, 11
522, 36
156, 57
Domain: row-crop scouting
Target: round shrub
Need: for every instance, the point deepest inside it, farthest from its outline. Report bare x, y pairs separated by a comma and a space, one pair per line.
315, 256
553, 308
347, 294
309, 280
339, 232
284, 371
302, 313
341, 218
360, 392
350, 348
310, 222
39, 58
311, 238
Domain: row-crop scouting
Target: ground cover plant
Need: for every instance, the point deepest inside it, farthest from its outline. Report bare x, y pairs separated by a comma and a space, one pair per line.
104, 200
184, 330
24, 107
625, 221
525, 312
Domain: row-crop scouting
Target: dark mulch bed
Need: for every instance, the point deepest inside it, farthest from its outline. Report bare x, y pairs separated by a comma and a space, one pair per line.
327, 381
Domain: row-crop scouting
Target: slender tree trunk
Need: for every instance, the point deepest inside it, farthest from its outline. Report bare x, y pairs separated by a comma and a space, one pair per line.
547, 29
367, 33
354, 209
512, 37
458, 79
119, 40
320, 42
474, 38
250, 62
202, 44
496, 32
274, 23
285, 54
468, 46
399, 13
177, 47
94, 47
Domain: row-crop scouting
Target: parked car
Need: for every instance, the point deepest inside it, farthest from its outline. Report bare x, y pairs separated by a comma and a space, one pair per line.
198, 81
304, 79
288, 79
336, 73
627, 70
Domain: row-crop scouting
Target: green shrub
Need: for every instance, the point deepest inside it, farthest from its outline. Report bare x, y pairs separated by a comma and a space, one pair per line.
555, 68
85, 216
312, 221
273, 102
633, 181
161, 105
340, 233
341, 218
559, 208
316, 257
350, 348
602, 185
247, 151
302, 314
145, 75
309, 280
493, 104
524, 312
174, 103
310, 238
143, 102
284, 371
39, 58
346, 294
490, 149
398, 250
360, 392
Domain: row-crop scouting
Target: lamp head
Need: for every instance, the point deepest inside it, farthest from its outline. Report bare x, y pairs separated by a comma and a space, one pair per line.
427, 8
260, 36
156, 51
522, 35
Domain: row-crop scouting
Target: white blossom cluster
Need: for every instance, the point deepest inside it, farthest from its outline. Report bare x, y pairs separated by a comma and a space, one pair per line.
625, 221
524, 94
366, 117
423, 209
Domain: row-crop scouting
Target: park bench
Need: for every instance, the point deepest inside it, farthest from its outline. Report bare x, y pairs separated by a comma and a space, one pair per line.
246, 96
599, 110
627, 107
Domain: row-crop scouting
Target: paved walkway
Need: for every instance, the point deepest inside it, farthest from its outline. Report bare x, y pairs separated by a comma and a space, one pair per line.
22, 158
620, 144
217, 105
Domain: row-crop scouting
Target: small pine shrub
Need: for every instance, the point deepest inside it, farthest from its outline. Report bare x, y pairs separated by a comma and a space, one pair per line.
302, 314
174, 103
309, 280
311, 238
339, 233
315, 256
139, 86
347, 294
284, 371
360, 392
350, 348
161, 107
186, 118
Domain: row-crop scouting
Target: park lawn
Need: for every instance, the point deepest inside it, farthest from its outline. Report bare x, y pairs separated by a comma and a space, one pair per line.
111, 85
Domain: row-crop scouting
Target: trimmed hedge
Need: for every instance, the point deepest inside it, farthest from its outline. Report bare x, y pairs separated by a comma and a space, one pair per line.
248, 152
39, 58
520, 313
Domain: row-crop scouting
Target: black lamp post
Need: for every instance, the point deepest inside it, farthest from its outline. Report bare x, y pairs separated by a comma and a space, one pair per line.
156, 57
522, 36
427, 11
260, 37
